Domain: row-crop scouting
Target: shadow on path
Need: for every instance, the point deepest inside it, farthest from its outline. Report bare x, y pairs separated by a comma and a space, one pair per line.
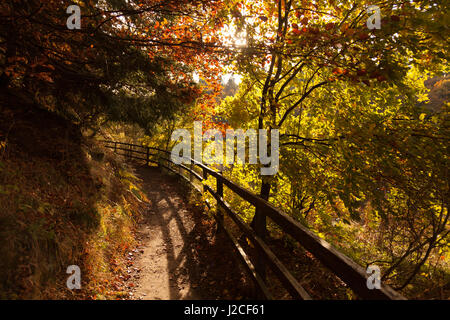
182, 257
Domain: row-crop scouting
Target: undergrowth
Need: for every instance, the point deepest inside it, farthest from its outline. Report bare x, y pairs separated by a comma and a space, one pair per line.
64, 201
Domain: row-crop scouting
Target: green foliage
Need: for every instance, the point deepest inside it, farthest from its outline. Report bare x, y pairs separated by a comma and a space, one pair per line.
364, 158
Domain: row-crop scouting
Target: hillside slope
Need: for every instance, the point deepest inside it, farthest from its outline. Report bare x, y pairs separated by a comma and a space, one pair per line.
63, 201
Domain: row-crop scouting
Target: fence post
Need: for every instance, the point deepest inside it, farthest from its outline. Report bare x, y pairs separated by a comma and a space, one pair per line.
148, 155
219, 213
205, 177
260, 230
191, 166
115, 147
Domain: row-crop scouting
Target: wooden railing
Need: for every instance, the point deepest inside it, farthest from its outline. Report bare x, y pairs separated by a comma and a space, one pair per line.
346, 269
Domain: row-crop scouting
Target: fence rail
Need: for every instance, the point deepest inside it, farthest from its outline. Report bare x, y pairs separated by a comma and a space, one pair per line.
342, 266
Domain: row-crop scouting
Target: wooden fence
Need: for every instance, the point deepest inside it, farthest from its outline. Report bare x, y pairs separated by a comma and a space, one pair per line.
346, 269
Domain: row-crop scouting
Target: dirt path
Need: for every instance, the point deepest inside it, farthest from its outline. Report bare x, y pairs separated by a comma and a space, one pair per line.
180, 256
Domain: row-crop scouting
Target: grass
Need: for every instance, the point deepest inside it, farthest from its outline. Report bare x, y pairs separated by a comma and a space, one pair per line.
64, 201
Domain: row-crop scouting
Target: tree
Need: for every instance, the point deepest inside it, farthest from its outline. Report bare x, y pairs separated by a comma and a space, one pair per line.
345, 100
130, 61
